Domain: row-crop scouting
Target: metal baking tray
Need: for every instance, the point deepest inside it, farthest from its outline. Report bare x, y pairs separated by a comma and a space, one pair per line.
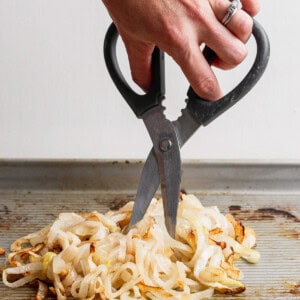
265, 195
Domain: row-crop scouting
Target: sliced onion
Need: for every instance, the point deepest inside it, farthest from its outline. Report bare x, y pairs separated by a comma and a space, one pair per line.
88, 256
42, 291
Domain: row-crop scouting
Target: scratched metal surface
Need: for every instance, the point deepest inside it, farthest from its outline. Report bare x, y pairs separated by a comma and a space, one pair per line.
274, 215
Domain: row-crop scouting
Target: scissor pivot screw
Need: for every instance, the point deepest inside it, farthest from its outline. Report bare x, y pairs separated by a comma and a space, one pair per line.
165, 145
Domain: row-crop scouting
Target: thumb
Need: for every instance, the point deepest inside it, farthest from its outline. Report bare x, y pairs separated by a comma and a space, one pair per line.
140, 58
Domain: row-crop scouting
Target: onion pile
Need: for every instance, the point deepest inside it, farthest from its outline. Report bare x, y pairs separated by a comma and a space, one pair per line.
89, 255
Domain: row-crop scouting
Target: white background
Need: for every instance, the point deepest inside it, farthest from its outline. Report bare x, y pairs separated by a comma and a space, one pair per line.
57, 100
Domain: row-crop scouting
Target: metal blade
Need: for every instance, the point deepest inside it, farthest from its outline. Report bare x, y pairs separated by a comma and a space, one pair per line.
185, 126
149, 181
167, 151
170, 171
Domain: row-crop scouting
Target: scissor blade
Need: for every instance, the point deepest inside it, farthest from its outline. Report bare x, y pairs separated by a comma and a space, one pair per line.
170, 173
167, 152
185, 126
149, 182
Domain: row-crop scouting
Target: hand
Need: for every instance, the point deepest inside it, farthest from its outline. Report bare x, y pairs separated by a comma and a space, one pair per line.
179, 27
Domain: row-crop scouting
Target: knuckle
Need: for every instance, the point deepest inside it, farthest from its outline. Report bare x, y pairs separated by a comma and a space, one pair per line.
177, 45
199, 13
194, 8
173, 36
255, 10
218, 5
206, 86
252, 7
245, 26
182, 54
239, 55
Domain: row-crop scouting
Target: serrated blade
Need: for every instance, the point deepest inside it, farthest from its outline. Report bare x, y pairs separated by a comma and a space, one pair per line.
185, 126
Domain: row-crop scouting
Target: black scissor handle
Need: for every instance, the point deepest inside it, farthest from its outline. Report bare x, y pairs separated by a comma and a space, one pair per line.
138, 103
204, 111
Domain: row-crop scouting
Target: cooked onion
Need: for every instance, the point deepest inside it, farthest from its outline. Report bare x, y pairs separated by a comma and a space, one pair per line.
89, 255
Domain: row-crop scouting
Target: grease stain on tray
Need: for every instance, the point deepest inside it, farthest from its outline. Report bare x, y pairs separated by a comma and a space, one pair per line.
284, 219
277, 213
262, 214
9, 218
12, 220
117, 203
4, 209
292, 234
294, 288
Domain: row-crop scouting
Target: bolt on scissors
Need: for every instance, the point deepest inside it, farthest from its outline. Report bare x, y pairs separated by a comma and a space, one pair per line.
163, 165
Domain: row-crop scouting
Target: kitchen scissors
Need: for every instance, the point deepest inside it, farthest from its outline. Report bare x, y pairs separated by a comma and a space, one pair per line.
163, 164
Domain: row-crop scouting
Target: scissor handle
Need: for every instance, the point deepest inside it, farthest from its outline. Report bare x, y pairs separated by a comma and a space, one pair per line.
204, 111
138, 103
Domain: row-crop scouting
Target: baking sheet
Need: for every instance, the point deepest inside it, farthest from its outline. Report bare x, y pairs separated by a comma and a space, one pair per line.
32, 197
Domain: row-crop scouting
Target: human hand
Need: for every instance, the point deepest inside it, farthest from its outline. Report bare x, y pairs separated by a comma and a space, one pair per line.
179, 27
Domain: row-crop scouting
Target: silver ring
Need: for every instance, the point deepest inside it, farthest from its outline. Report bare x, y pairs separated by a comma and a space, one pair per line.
232, 9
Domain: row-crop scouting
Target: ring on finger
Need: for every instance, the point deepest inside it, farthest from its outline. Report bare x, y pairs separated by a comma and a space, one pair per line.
231, 11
